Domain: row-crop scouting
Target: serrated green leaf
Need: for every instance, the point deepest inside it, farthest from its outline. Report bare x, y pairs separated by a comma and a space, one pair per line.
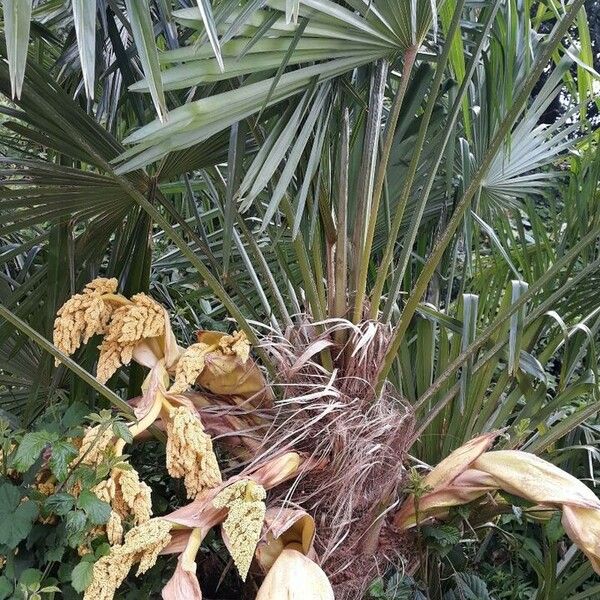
54, 554
6, 588
102, 550
81, 577
16, 517
471, 587
75, 522
445, 535
121, 430
60, 503
30, 448
97, 510
62, 454
31, 577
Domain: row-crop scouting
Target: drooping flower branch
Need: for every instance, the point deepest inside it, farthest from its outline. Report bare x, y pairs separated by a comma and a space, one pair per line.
139, 329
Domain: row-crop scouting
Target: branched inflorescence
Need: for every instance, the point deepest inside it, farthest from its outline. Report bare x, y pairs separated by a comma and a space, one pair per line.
84, 315
139, 329
190, 453
246, 513
142, 318
142, 545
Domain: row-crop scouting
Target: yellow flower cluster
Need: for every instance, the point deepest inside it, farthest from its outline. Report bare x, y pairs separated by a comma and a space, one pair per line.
237, 344
190, 452
127, 496
84, 315
139, 319
189, 366
94, 445
124, 323
243, 525
142, 545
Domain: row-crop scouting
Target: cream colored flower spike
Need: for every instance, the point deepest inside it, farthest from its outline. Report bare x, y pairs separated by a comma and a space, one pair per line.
108, 574
190, 365
190, 453
142, 544
243, 525
131, 496
94, 445
84, 315
142, 318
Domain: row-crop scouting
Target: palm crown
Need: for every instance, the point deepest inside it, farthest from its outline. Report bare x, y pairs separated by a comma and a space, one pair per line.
368, 186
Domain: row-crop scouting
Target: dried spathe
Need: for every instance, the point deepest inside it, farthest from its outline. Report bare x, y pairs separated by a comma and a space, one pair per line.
476, 473
228, 368
295, 577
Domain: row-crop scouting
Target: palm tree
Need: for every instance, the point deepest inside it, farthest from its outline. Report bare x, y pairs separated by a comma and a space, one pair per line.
365, 187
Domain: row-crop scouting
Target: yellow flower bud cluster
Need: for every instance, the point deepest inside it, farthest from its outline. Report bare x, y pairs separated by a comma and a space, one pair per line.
142, 545
128, 497
123, 323
140, 319
190, 453
84, 315
94, 445
245, 501
189, 366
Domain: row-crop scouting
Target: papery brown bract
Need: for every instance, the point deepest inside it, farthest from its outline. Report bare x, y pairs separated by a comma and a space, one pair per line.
283, 527
526, 475
582, 525
516, 472
183, 585
228, 370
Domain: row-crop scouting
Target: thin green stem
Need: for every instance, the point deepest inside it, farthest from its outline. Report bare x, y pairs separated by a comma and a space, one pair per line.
264, 268
366, 174
46, 345
414, 162
503, 130
409, 239
410, 55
